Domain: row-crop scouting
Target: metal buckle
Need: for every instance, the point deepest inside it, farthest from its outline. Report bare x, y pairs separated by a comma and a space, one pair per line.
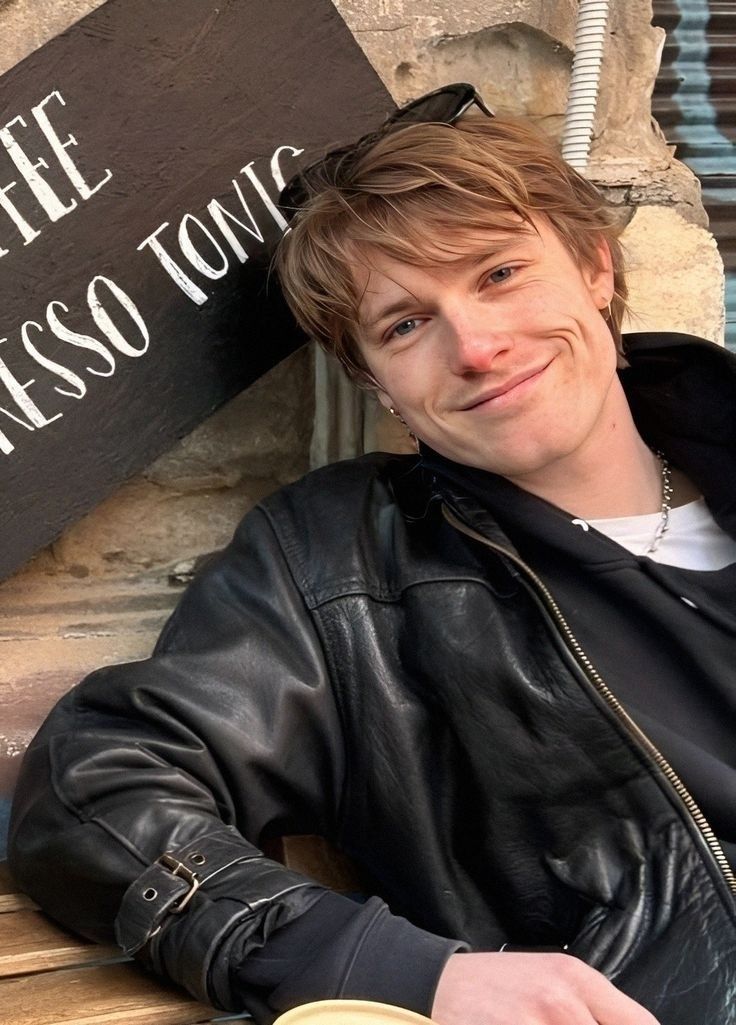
173, 865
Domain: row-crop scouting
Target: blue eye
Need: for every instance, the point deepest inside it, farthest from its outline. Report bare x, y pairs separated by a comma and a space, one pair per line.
405, 327
502, 274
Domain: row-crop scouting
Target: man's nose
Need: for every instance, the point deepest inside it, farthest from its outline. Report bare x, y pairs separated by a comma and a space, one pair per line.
475, 339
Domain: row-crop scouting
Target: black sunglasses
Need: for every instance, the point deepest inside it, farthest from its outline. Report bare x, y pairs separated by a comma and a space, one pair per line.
442, 106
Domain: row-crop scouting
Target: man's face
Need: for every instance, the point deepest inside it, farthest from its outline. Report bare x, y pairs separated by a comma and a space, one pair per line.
500, 359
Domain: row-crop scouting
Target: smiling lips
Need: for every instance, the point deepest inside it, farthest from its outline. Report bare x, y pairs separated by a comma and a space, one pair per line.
508, 386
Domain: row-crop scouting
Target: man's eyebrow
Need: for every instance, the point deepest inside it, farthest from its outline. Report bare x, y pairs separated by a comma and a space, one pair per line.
497, 247
392, 310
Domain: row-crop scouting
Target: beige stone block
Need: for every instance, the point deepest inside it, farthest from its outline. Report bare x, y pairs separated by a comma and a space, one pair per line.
144, 526
53, 632
189, 501
263, 432
624, 125
517, 69
629, 183
426, 19
517, 53
25, 25
675, 275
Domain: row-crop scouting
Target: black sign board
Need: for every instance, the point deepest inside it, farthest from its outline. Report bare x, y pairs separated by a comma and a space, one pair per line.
142, 151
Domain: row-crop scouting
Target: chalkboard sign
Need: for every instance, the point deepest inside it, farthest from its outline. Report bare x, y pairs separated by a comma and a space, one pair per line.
142, 152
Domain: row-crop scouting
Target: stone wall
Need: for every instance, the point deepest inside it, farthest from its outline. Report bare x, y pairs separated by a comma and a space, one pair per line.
519, 54
100, 593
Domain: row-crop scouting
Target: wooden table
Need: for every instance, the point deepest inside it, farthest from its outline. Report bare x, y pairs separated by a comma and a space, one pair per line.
48, 976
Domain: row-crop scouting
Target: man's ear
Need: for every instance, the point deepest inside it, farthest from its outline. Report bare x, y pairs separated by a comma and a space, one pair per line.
598, 276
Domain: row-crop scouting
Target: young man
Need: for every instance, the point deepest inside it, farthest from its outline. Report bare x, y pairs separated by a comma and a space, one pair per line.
497, 674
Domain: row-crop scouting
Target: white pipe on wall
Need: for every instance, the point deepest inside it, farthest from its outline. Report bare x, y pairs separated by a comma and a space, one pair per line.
590, 35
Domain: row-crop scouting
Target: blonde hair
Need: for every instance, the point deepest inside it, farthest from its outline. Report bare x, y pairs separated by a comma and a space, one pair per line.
413, 195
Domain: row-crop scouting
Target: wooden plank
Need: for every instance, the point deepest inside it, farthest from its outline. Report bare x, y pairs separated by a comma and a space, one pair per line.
16, 902
106, 995
29, 942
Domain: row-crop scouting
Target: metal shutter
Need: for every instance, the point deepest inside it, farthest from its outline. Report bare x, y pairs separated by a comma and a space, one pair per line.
695, 104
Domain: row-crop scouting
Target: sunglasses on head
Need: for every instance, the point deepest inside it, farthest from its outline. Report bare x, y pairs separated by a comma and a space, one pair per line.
444, 106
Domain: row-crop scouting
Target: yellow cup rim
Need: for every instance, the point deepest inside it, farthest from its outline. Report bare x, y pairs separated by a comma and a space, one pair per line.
350, 1012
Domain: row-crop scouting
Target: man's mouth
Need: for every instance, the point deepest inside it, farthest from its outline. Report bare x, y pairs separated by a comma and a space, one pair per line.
508, 389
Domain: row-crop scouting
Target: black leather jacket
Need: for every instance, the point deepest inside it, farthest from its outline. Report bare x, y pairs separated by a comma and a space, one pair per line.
370, 660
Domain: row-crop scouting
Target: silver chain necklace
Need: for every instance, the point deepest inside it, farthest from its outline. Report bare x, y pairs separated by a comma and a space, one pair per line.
664, 517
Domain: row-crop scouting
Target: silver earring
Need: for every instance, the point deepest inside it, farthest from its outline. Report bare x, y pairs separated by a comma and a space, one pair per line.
402, 421
399, 417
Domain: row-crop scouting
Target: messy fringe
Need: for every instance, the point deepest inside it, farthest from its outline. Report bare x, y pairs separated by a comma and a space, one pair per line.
416, 196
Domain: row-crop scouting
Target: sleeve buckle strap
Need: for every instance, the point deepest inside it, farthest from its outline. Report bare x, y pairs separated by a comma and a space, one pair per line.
168, 885
178, 868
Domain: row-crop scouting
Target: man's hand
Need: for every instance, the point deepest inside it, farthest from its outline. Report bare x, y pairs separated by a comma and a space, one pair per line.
530, 989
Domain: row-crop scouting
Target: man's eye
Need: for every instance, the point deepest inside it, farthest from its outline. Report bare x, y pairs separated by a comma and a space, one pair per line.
502, 274
405, 327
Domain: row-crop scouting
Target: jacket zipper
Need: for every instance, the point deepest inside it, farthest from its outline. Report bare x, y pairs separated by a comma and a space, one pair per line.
608, 696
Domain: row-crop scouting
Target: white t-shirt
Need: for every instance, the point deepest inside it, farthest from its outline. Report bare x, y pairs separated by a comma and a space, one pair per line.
693, 540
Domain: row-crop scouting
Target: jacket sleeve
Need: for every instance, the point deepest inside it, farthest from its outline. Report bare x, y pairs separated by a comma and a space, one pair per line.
138, 793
